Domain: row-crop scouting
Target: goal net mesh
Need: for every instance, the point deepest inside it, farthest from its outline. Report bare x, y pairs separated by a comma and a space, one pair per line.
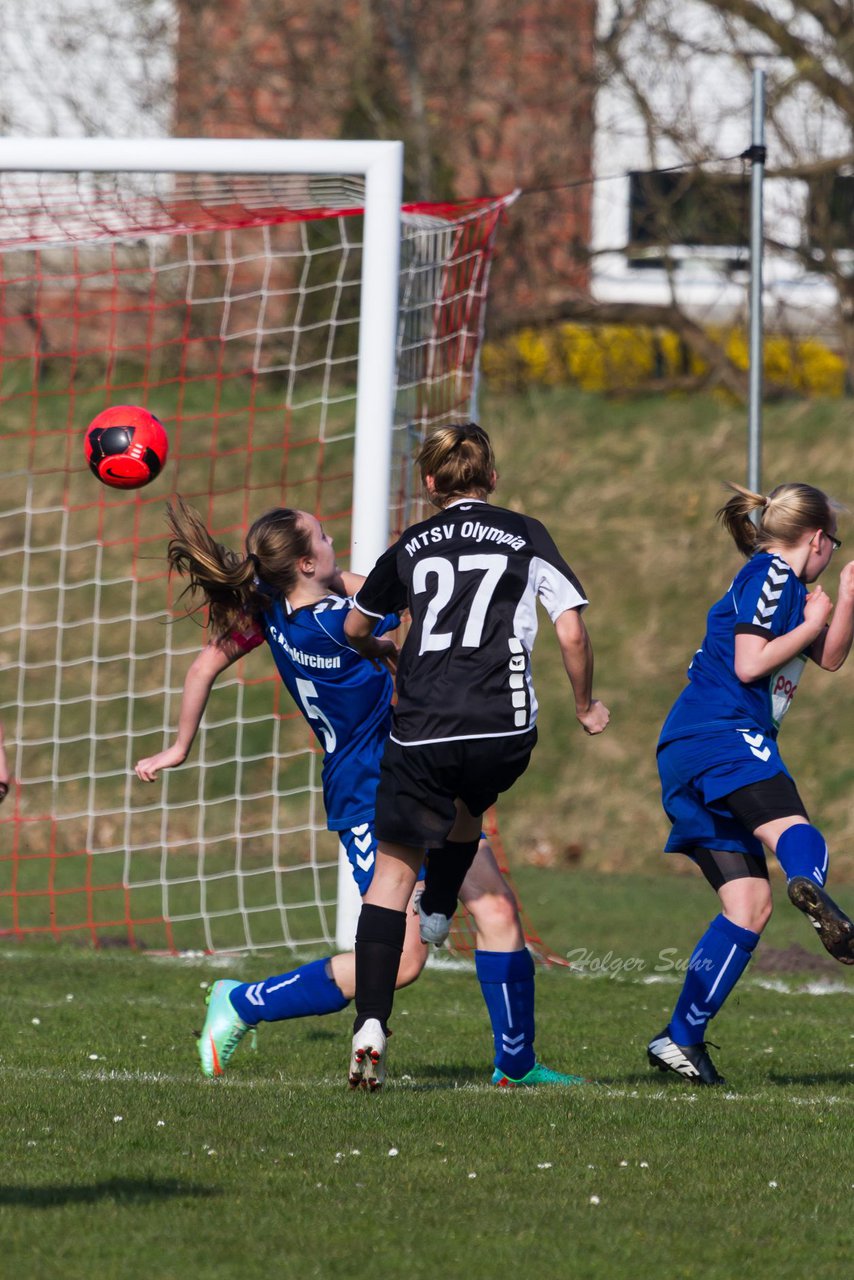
230, 308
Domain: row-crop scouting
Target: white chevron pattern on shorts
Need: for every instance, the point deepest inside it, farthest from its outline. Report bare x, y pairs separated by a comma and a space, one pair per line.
755, 741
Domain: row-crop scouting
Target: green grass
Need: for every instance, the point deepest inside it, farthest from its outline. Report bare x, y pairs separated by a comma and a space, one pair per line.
130, 1163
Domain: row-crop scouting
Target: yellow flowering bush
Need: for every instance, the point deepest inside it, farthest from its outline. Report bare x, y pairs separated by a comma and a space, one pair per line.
612, 357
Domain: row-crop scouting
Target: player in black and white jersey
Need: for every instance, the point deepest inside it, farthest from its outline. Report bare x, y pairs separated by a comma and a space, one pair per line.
465, 721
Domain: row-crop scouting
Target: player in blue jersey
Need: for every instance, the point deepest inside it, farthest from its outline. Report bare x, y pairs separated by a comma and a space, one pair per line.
288, 591
725, 787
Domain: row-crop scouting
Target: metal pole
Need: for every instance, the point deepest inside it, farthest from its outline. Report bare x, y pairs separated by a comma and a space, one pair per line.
754, 407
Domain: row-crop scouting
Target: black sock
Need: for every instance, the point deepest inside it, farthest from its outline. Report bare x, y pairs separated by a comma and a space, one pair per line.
379, 945
447, 868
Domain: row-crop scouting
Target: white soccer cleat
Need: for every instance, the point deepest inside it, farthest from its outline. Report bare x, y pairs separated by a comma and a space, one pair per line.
367, 1060
434, 927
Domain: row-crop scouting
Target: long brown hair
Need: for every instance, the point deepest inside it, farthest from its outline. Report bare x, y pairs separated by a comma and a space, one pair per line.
234, 586
460, 459
786, 514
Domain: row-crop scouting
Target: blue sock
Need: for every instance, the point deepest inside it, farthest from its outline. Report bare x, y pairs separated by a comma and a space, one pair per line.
507, 981
720, 958
308, 990
802, 851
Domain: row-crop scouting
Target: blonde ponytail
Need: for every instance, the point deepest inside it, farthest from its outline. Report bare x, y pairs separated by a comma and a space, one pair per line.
786, 514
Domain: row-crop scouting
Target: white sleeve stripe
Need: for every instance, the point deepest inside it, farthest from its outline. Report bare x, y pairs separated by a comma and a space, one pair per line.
555, 591
368, 612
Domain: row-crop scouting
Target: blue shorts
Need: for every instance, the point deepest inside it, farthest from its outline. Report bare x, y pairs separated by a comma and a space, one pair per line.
697, 772
360, 845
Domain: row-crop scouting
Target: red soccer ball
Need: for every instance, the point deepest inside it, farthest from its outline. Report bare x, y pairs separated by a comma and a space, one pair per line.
126, 446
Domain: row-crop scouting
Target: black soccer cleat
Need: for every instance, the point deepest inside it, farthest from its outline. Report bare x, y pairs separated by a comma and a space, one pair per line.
690, 1061
829, 921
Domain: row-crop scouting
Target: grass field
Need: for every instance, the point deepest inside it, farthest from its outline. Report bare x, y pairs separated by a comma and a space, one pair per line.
120, 1159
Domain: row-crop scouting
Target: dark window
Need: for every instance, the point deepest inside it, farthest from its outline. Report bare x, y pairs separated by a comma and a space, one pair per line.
685, 209
830, 220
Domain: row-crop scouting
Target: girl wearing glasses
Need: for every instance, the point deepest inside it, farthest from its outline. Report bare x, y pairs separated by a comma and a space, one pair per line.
725, 787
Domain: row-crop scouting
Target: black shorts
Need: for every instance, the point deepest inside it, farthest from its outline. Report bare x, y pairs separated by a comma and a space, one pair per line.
765, 800
419, 785
721, 866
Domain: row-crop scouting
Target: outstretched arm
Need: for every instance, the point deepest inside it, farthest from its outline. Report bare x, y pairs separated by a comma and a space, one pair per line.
210, 663
577, 653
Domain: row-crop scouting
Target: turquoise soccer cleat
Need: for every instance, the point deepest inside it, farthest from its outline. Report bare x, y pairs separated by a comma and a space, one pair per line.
223, 1030
537, 1075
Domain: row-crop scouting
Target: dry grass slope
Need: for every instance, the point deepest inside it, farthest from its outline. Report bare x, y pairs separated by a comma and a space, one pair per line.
629, 490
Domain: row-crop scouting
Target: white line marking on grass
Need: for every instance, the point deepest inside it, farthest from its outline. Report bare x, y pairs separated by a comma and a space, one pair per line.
594, 1093
818, 987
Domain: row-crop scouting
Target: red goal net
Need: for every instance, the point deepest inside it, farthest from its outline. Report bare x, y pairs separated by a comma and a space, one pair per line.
229, 307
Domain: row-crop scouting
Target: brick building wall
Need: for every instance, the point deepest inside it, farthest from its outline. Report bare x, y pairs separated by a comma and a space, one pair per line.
487, 95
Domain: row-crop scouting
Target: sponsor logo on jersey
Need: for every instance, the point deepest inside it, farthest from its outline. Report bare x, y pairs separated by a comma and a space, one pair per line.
316, 660
783, 684
470, 529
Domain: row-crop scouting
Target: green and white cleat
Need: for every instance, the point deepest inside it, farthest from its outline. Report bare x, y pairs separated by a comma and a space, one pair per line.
537, 1075
223, 1029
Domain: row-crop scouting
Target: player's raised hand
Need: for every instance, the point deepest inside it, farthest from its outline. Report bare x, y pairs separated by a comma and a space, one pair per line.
846, 581
818, 607
148, 769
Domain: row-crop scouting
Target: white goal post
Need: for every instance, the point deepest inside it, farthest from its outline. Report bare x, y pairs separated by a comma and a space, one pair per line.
298, 329
381, 166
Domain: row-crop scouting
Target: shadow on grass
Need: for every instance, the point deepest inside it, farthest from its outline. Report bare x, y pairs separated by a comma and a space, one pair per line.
120, 1190
451, 1073
813, 1077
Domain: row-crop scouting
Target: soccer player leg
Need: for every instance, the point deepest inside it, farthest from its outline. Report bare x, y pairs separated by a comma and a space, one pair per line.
505, 971
233, 1008
305, 992
716, 964
802, 853
778, 818
447, 867
739, 876
380, 937
733, 862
